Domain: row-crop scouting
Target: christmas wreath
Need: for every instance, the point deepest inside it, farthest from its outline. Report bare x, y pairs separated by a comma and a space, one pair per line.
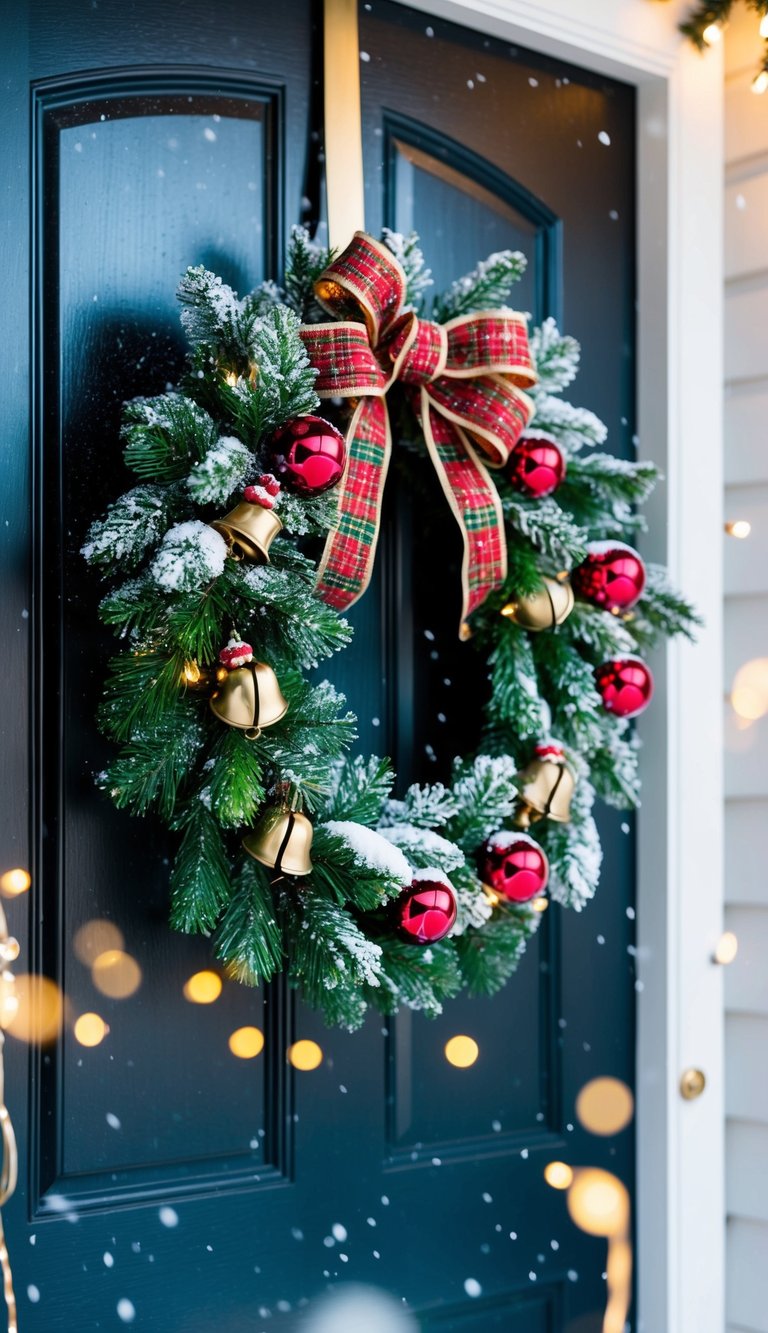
291, 854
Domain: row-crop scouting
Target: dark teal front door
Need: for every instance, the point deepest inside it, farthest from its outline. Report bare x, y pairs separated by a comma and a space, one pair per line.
166, 1183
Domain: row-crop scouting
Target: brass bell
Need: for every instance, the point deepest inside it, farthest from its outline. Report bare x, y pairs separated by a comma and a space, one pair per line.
550, 605
248, 530
281, 839
250, 698
545, 788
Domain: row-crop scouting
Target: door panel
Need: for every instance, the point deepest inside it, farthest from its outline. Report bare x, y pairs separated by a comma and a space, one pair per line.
159, 1169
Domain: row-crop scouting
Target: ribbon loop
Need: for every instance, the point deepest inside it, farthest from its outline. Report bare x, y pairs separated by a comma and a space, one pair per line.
465, 380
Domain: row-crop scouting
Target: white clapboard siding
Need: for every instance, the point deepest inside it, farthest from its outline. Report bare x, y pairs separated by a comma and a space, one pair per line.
746, 638
746, 852
746, 765
746, 978
746, 628
746, 237
745, 136
747, 1299
747, 1183
746, 1069
746, 430
746, 559
746, 328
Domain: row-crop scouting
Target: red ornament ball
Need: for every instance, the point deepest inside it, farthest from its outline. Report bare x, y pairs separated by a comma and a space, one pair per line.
612, 576
426, 910
536, 465
625, 685
308, 455
514, 866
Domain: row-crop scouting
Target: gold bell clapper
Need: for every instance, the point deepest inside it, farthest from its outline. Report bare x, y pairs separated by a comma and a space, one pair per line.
249, 697
281, 839
249, 530
545, 787
550, 605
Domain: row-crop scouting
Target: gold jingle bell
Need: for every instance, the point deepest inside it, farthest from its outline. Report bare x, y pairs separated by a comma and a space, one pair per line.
250, 698
546, 787
281, 840
249, 530
550, 605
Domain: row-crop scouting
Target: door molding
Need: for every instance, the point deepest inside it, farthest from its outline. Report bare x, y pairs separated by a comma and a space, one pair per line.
680, 1196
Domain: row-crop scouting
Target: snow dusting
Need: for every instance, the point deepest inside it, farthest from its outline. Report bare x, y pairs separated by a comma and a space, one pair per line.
371, 849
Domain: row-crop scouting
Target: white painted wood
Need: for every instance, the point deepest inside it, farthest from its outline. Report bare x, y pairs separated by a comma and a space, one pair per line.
746, 631
746, 772
747, 1170
748, 1275
680, 1201
746, 851
628, 38
746, 433
746, 1073
746, 235
746, 978
746, 560
744, 119
746, 329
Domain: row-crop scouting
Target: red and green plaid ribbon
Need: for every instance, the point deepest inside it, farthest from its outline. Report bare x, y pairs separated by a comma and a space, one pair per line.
465, 381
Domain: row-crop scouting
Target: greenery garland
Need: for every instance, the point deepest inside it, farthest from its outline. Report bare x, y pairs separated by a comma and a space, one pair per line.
333, 931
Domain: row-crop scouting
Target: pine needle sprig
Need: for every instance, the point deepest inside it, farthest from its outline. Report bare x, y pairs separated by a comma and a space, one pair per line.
200, 879
488, 957
249, 938
359, 790
662, 611
165, 436
305, 262
485, 288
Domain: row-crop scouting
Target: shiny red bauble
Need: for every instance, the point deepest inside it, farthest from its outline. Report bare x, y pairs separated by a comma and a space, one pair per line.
514, 866
536, 466
612, 576
425, 911
625, 686
308, 455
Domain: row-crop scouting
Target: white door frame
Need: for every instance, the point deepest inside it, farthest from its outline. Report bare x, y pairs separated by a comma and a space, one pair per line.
680, 1198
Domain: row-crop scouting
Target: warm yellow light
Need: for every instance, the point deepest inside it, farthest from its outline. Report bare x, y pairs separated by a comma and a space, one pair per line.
94, 938
712, 34
231, 378
598, 1203
741, 527
605, 1106
246, 1043
116, 974
727, 948
764, 26
461, 1052
749, 692
191, 673
14, 882
540, 904
39, 1009
558, 1174
760, 82
90, 1030
305, 1054
203, 988
9, 1003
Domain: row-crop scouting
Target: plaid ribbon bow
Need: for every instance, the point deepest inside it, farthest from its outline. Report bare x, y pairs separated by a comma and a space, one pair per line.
464, 382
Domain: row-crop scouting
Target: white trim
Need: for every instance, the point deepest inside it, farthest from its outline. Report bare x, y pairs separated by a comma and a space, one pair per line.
680, 1206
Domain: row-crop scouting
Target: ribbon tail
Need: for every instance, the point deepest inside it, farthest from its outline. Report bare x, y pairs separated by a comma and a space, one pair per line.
346, 566
475, 503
